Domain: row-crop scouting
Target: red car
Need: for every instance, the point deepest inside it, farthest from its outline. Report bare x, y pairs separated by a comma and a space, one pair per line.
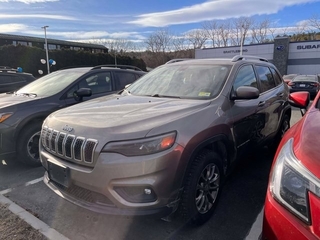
292, 207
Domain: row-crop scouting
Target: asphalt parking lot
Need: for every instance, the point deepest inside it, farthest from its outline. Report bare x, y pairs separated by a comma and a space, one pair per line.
236, 217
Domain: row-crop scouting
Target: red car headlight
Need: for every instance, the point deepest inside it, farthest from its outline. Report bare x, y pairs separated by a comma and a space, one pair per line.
290, 182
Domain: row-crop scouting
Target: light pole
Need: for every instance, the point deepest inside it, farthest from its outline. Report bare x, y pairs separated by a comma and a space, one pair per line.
46, 46
241, 40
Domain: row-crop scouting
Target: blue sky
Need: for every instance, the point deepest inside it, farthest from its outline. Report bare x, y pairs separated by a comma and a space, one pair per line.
135, 20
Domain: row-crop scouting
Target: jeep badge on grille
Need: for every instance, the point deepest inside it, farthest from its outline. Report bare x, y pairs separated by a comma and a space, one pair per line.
67, 128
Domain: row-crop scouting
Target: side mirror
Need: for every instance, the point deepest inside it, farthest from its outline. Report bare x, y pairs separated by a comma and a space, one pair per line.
82, 92
245, 92
300, 100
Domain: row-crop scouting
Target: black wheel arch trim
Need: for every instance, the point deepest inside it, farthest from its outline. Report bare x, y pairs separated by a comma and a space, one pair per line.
185, 165
34, 118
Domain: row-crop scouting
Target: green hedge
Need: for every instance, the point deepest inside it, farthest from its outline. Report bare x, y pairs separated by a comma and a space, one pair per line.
28, 58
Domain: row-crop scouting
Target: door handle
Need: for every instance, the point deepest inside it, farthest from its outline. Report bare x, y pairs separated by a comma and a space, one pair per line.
262, 103
280, 94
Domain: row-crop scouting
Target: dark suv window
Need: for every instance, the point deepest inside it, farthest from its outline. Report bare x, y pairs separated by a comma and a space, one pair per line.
266, 79
245, 77
99, 82
124, 78
276, 76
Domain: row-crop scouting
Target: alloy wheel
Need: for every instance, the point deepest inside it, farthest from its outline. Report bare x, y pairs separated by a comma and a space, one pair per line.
33, 146
207, 188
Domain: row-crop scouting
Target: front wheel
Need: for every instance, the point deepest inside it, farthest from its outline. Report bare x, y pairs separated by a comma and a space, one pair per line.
202, 188
28, 145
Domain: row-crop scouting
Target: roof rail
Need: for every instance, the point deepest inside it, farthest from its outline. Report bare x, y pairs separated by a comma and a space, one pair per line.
118, 66
7, 69
248, 57
177, 60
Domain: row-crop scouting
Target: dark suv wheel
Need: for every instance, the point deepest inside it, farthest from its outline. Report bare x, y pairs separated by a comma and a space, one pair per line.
28, 145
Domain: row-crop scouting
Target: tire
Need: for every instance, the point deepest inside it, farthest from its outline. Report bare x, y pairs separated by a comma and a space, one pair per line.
202, 188
28, 145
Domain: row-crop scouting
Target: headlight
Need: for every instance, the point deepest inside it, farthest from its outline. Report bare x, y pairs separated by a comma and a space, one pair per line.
143, 146
4, 116
290, 182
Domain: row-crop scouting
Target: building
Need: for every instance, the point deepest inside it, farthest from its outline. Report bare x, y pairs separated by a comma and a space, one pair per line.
289, 57
53, 44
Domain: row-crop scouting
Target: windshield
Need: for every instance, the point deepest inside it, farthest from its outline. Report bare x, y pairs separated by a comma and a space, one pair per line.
51, 84
182, 81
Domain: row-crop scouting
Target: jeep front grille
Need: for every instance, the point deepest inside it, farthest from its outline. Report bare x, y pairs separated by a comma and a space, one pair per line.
68, 146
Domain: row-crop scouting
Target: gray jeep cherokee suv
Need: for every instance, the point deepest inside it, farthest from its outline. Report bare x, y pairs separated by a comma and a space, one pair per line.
168, 141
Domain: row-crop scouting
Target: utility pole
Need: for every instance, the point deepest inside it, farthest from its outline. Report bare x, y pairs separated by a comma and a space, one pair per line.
46, 46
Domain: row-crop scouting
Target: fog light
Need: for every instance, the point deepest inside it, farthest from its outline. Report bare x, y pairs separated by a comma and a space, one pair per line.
147, 191
136, 194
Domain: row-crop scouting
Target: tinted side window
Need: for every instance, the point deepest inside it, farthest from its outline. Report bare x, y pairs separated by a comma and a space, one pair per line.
124, 78
5, 79
17, 79
276, 76
266, 78
98, 83
245, 77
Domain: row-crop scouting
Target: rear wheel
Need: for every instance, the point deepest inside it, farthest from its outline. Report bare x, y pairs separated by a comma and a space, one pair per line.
28, 145
202, 188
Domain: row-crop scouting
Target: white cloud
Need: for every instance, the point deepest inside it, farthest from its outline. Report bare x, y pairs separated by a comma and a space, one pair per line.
214, 9
11, 28
29, 1
82, 35
45, 16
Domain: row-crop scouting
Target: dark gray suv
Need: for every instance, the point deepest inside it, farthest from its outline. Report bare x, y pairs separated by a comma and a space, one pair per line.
23, 111
168, 141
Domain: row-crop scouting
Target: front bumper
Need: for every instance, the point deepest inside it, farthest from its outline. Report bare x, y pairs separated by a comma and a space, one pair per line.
279, 223
7, 142
120, 185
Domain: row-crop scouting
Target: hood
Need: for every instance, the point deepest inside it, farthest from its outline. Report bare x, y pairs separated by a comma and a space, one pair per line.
7, 100
117, 115
307, 141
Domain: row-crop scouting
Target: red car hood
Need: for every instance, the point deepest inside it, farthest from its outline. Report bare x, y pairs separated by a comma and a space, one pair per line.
307, 141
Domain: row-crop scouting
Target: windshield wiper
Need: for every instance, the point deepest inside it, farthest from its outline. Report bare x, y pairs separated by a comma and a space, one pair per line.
166, 96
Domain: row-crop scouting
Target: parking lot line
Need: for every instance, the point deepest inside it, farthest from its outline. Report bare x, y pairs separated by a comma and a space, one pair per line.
256, 228
25, 184
36, 223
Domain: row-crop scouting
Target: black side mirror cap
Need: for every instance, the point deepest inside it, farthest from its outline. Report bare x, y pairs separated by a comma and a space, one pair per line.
81, 93
246, 92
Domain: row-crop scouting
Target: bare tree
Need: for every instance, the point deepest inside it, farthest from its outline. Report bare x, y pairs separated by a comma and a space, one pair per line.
159, 41
224, 34
158, 44
260, 31
116, 46
180, 43
272, 31
240, 30
197, 38
314, 21
300, 32
212, 30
